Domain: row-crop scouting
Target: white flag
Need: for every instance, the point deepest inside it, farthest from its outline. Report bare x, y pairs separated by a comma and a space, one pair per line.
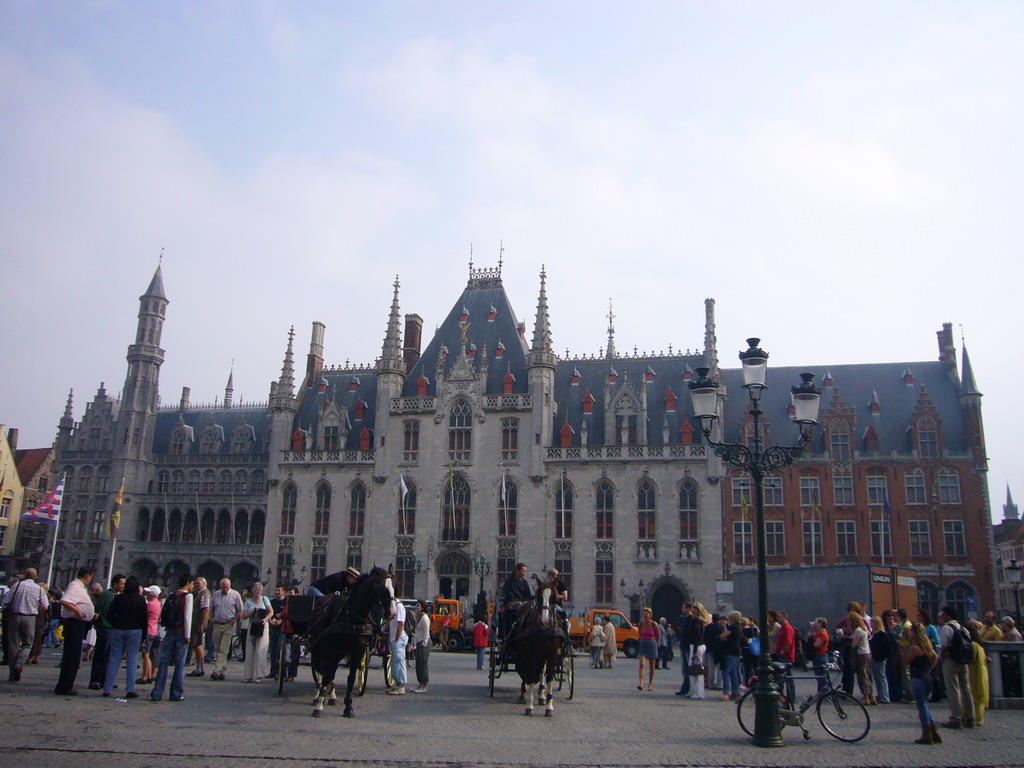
503, 489
405, 488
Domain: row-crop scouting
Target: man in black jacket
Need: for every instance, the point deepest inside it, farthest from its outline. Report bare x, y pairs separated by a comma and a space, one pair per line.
682, 624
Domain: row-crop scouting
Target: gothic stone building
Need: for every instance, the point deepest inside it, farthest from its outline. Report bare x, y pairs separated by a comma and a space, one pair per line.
456, 459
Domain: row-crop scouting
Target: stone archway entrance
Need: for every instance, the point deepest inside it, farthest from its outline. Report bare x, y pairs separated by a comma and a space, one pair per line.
667, 599
453, 570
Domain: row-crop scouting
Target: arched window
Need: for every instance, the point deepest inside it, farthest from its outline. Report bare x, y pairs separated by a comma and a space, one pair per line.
209, 441
563, 509
688, 511
509, 439
411, 444
178, 442
241, 481
322, 513
460, 431
103, 480
605, 510
356, 510
85, 480
456, 507
259, 480
142, 526
221, 533
206, 527
645, 510
159, 524
928, 598
178, 481
288, 510
508, 507
193, 481
209, 481
174, 525
407, 508
225, 482
190, 529
259, 520
958, 595
241, 527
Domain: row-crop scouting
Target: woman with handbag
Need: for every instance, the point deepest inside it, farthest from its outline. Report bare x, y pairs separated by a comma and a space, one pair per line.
695, 629
258, 610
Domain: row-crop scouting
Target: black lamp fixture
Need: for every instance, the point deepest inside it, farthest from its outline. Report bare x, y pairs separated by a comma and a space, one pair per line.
1015, 573
758, 461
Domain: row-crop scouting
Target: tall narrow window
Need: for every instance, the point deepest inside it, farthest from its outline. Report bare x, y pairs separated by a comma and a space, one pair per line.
460, 432
914, 483
842, 489
509, 439
645, 508
688, 511
920, 538
927, 438
563, 510
953, 533
407, 508
881, 539
318, 566
410, 441
846, 538
508, 507
773, 491
332, 439
743, 540
456, 509
774, 538
742, 493
812, 540
949, 486
604, 579
605, 511
625, 427
839, 439
288, 510
878, 493
356, 510
810, 493
209, 481
322, 511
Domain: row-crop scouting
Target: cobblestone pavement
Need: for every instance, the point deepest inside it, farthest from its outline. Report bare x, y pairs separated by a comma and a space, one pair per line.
608, 723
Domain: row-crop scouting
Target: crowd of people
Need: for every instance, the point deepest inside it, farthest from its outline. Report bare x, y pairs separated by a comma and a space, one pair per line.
886, 658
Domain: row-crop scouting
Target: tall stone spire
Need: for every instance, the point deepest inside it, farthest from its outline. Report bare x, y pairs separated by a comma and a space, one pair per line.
611, 332
156, 285
286, 384
967, 385
710, 340
1010, 511
542, 325
229, 390
391, 357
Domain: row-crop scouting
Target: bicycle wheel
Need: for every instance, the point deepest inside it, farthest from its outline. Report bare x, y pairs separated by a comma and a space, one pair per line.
843, 716
745, 712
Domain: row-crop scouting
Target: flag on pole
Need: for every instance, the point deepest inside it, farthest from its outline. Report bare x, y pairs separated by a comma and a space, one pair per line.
115, 516
504, 495
405, 488
49, 511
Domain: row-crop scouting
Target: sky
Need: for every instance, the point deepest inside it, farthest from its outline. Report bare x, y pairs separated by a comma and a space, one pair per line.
840, 177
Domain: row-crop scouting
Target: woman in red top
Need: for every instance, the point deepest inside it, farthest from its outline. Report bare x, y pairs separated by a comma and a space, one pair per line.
819, 637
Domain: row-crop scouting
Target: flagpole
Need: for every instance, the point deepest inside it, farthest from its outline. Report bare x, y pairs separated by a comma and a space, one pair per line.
113, 524
53, 547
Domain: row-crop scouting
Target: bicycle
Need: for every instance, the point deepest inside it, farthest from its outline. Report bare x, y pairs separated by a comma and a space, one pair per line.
840, 714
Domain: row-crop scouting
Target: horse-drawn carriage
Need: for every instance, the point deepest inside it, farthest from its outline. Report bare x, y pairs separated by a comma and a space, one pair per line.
536, 647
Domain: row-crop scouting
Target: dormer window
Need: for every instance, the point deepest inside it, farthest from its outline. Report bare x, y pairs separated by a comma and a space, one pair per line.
500, 351
365, 440
575, 378
566, 435
491, 314
353, 385
648, 376
612, 376
670, 401
687, 374
464, 316
686, 433
472, 351
421, 386
360, 409
298, 440
508, 382
588, 402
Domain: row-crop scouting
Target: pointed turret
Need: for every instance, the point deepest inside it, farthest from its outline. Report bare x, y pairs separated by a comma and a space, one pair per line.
229, 390
967, 385
392, 359
710, 340
286, 384
1010, 511
141, 386
542, 324
66, 424
610, 353
156, 285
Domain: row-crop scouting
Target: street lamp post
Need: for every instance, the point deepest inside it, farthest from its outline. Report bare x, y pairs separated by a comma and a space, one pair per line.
758, 461
1015, 573
634, 614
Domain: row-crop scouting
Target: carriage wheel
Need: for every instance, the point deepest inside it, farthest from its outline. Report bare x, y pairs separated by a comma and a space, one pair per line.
389, 679
282, 670
495, 670
363, 673
569, 671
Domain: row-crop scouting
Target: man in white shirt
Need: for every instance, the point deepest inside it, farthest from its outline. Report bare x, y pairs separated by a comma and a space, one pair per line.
227, 604
398, 639
75, 613
23, 602
175, 644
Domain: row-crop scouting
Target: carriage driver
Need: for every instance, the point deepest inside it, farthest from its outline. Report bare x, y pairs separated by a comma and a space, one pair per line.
340, 582
561, 595
514, 592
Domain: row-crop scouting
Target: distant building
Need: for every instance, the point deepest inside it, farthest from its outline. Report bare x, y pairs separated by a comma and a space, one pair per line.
1009, 545
454, 460
11, 495
36, 471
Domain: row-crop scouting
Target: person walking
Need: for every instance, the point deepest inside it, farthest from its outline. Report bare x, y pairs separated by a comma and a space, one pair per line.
422, 643
22, 604
649, 634
920, 657
664, 642
151, 644
227, 606
682, 627
177, 622
258, 611
128, 621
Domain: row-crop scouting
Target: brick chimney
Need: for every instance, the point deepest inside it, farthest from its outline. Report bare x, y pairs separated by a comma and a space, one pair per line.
413, 338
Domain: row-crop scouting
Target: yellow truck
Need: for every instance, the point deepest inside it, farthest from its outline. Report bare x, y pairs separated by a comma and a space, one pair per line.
627, 636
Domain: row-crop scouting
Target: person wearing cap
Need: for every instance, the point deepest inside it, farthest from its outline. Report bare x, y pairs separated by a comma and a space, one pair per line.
152, 642
227, 605
340, 582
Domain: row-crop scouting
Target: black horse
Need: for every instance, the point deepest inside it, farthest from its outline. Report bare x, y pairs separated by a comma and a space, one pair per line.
341, 628
539, 638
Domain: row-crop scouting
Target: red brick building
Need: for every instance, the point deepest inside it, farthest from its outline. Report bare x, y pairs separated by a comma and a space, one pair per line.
895, 476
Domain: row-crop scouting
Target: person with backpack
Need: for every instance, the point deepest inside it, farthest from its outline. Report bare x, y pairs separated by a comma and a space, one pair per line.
176, 619
957, 653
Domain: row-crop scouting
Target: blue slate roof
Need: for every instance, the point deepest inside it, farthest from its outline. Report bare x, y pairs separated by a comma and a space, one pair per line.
257, 418
478, 298
336, 385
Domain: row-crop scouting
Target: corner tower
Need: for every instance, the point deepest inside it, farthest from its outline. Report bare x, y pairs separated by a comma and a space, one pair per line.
541, 363
141, 385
